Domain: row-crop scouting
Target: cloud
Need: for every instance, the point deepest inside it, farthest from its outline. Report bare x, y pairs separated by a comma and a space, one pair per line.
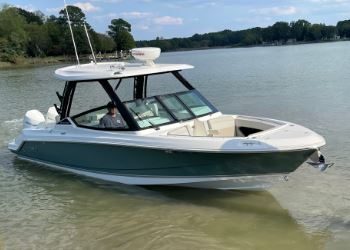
87, 7
54, 10
107, 1
127, 15
168, 20
142, 27
207, 4
329, 1
279, 11
136, 14
28, 7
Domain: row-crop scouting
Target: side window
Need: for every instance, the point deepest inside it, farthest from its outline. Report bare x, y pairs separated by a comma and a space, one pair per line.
88, 95
125, 89
92, 107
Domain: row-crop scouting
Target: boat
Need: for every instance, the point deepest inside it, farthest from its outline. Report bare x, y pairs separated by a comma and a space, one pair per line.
178, 138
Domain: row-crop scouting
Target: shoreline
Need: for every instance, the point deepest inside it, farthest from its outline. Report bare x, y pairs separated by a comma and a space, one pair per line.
52, 60
35, 61
256, 46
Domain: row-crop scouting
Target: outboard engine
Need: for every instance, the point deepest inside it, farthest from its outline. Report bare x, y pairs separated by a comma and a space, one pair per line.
33, 118
52, 116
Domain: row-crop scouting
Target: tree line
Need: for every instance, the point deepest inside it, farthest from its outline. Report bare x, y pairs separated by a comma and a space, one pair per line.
277, 34
32, 34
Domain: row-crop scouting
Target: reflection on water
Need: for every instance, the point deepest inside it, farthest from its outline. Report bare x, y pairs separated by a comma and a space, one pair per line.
309, 85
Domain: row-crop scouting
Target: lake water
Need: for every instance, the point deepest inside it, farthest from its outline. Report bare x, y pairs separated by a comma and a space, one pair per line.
305, 84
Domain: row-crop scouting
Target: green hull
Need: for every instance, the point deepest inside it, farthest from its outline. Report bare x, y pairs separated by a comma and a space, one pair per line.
122, 160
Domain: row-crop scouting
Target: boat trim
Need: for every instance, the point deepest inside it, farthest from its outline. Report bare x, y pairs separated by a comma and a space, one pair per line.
170, 150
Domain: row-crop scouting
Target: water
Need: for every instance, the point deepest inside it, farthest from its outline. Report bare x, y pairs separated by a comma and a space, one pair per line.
305, 84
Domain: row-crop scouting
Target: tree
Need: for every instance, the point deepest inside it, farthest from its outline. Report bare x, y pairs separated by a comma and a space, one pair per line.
13, 35
299, 29
55, 33
344, 28
76, 16
252, 37
39, 40
328, 32
78, 19
120, 31
32, 17
106, 43
267, 34
281, 31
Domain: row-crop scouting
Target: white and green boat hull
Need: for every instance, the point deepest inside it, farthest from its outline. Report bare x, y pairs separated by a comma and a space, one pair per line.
150, 166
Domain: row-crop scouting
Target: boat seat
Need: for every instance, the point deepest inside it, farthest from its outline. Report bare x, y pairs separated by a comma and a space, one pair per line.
199, 128
184, 131
224, 126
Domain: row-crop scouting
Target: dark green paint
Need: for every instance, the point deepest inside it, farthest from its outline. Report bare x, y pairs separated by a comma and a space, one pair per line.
122, 160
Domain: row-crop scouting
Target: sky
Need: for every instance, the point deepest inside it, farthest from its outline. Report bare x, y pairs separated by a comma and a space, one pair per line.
183, 18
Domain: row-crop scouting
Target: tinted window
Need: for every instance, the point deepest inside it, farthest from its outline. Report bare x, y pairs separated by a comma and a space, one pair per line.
195, 103
148, 112
176, 107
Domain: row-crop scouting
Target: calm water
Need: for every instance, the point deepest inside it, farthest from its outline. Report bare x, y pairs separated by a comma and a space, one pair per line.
306, 84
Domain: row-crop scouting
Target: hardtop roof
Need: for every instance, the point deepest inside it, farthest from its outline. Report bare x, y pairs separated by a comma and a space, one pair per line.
114, 70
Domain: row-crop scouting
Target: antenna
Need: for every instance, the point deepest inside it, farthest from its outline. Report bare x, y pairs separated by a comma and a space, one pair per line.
88, 37
71, 32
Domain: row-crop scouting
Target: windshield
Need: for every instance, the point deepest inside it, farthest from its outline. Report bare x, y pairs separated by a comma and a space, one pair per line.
197, 105
176, 107
149, 112
166, 109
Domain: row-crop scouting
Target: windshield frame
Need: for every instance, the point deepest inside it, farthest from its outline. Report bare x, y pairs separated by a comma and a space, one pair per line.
127, 115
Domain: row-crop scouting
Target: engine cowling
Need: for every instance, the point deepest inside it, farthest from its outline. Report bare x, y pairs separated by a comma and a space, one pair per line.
33, 118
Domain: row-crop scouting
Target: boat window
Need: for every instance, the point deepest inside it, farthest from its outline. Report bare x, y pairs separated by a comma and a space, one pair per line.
192, 100
101, 118
175, 106
149, 112
89, 108
163, 84
124, 89
88, 95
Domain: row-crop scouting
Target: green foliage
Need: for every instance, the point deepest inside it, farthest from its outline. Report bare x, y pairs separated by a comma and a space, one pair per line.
30, 17
120, 31
279, 33
106, 43
39, 40
299, 29
13, 36
78, 19
24, 33
344, 28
